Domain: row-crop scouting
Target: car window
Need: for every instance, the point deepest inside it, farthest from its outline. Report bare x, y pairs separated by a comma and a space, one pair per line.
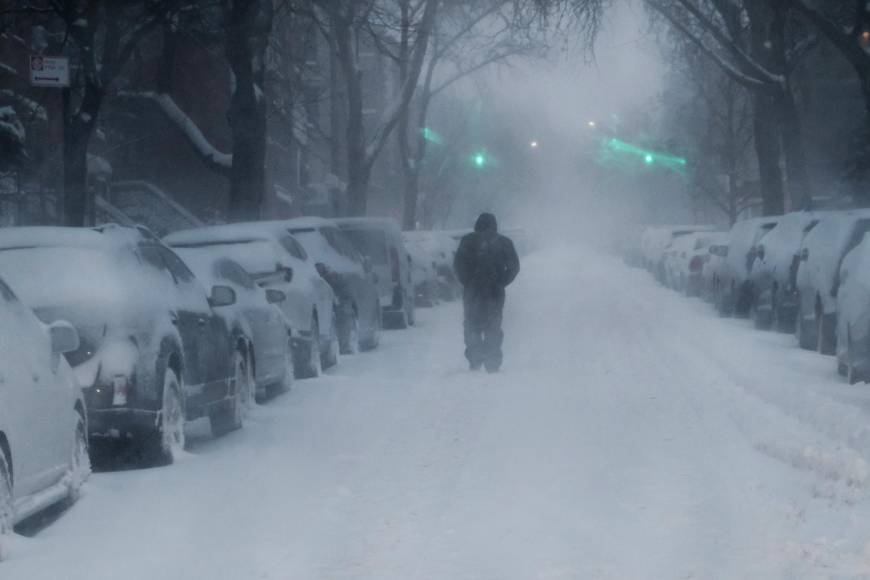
295, 249
150, 256
236, 274
179, 269
6, 293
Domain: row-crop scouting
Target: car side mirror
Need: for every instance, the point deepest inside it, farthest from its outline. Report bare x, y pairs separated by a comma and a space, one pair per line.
760, 252
287, 273
222, 296
64, 337
274, 296
805, 255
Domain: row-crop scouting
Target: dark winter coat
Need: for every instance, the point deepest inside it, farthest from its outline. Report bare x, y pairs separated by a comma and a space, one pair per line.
486, 260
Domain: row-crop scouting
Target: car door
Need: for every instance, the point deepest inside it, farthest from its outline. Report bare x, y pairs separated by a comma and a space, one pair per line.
266, 320
32, 405
214, 344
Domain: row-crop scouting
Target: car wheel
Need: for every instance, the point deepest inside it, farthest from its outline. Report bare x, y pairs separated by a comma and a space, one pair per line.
5, 496
286, 383
309, 358
853, 376
351, 342
80, 462
374, 338
825, 341
230, 415
802, 331
329, 358
169, 440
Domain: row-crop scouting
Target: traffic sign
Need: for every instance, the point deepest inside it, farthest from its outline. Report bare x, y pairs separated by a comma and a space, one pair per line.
49, 71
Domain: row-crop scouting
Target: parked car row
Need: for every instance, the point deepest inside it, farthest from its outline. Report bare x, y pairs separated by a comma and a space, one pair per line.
806, 273
110, 334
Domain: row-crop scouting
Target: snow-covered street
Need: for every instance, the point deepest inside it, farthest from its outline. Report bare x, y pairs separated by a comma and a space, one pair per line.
631, 434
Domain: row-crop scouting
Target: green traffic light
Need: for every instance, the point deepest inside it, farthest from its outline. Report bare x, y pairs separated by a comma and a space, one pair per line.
648, 159
479, 159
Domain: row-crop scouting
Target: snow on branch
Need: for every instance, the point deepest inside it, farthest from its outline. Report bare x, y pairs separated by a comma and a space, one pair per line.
216, 160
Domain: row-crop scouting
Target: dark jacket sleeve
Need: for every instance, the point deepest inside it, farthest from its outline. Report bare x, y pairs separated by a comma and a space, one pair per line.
462, 261
511, 263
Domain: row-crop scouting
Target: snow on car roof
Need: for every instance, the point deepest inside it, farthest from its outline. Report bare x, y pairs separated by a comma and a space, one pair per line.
50, 236
369, 222
247, 231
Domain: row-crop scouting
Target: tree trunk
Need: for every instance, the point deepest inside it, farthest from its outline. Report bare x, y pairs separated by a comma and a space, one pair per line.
768, 151
78, 128
248, 24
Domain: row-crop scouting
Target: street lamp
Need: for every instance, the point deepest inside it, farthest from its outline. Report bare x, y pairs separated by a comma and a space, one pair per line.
591, 124
534, 144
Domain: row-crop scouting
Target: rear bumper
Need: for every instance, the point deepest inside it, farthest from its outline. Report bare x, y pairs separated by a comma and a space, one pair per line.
121, 423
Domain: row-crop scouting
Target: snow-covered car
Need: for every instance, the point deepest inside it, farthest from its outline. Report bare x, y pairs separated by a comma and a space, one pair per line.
712, 268
423, 273
774, 273
853, 314
352, 280
276, 260
685, 260
43, 422
818, 279
257, 310
656, 241
380, 240
733, 288
153, 350
435, 250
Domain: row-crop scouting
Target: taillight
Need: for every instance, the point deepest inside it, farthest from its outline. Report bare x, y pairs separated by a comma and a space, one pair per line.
394, 262
696, 264
121, 390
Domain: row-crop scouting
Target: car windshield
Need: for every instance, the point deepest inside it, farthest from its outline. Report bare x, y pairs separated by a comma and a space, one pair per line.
371, 243
257, 257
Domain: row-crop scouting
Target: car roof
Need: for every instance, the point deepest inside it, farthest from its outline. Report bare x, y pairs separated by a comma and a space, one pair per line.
374, 223
245, 231
51, 236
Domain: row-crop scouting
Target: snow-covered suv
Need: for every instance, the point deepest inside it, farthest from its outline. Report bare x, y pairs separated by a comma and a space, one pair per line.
380, 240
43, 433
734, 287
818, 278
153, 350
774, 273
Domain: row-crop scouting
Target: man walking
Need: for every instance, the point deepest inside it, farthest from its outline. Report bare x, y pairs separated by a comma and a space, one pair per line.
485, 263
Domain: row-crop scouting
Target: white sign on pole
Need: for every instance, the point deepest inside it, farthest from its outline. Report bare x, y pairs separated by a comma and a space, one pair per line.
49, 71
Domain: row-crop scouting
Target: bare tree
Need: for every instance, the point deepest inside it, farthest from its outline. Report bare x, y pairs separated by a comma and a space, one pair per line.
103, 35
347, 25
748, 40
466, 40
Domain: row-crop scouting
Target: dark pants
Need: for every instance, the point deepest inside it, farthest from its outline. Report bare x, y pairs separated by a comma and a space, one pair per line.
483, 334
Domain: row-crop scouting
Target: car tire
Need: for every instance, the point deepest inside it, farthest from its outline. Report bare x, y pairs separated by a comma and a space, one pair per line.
80, 461
804, 335
329, 357
350, 342
308, 359
6, 502
374, 338
230, 415
165, 444
286, 383
825, 339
